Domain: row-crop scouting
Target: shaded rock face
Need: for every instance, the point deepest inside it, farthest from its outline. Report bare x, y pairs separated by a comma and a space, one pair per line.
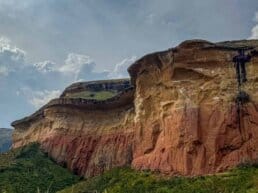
182, 121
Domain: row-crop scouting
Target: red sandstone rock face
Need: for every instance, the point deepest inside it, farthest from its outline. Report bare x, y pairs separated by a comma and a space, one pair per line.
183, 120
87, 142
200, 141
90, 155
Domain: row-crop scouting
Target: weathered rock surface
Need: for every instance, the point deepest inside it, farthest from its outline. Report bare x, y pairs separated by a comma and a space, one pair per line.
182, 119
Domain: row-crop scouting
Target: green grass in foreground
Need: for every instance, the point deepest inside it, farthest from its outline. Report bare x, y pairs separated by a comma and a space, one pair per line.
98, 95
28, 170
241, 180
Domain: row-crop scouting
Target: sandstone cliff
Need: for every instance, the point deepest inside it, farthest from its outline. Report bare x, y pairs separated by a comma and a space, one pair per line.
180, 118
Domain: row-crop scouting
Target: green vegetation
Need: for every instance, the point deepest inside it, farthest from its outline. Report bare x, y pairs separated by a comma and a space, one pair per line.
239, 43
241, 180
98, 90
98, 95
5, 139
29, 170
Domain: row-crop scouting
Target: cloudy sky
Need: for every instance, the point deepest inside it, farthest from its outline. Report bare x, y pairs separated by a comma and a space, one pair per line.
47, 44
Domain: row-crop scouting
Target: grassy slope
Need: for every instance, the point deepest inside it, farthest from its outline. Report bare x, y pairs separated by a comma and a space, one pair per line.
98, 95
28, 170
241, 180
5, 139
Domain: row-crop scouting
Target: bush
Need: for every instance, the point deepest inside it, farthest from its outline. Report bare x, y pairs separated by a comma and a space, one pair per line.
125, 180
28, 170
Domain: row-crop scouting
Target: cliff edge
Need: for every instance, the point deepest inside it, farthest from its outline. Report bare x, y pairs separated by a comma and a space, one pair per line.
179, 117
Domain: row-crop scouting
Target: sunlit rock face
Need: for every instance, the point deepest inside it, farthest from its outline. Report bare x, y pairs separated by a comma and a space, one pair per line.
179, 119
186, 117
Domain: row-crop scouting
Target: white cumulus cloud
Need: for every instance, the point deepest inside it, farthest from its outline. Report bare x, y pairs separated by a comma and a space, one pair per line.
11, 57
45, 66
40, 98
254, 32
120, 70
13, 51
75, 64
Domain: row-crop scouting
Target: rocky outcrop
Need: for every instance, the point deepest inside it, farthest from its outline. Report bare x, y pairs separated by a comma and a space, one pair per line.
182, 120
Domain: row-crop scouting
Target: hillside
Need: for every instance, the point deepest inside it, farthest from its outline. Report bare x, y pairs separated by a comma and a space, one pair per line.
29, 170
240, 180
5, 139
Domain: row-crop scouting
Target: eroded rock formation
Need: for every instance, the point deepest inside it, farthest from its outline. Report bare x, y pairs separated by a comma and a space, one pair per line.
180, 118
